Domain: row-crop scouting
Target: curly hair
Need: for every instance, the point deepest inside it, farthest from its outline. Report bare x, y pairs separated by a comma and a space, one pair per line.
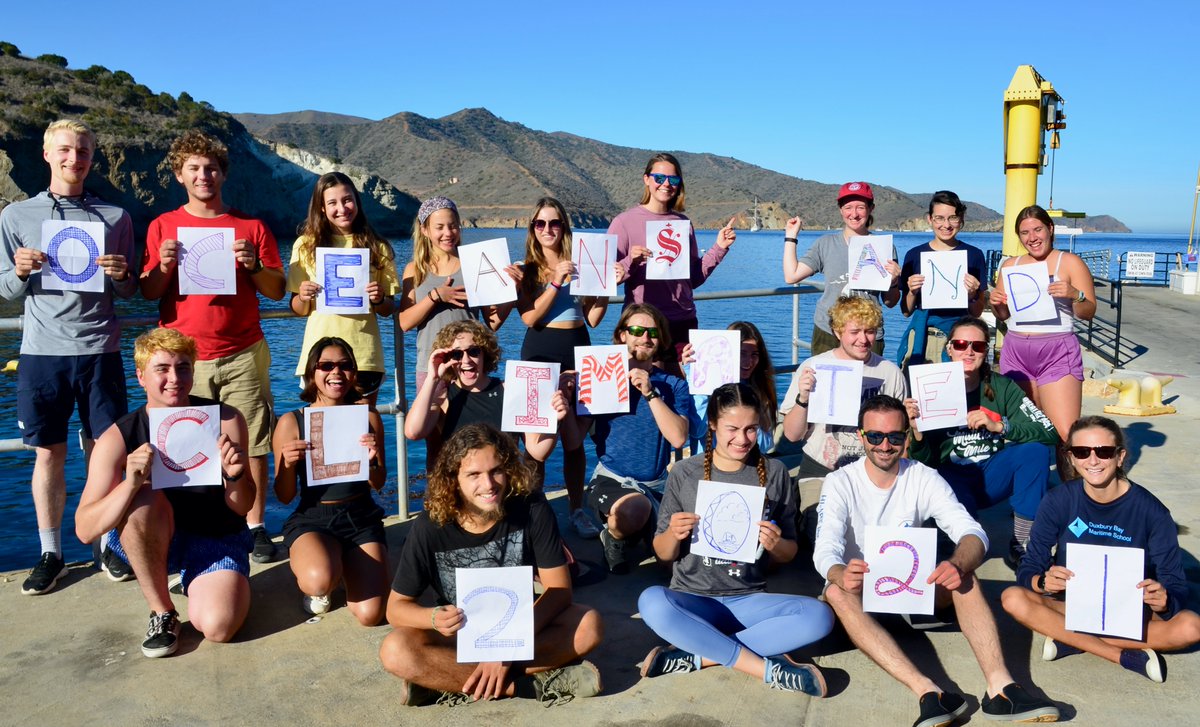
481, 336
318, 231
443, 497
852, 307
309, 393
197, 144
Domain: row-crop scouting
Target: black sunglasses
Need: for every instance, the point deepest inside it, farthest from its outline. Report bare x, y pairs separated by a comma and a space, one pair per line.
961, 344
671, 179
555, 225
894, 438
327, 366
639, 331
1105, 452
456, 354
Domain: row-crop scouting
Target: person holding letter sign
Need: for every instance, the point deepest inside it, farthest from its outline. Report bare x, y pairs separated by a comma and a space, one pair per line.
336, 533
717, 612
198, 530
336, 220
663, 198
558, 322
947, 213
233, 364
755, 370
830, 255
885, 489
1104, 507
1006, 448
71, 340
481, 511
1044, 357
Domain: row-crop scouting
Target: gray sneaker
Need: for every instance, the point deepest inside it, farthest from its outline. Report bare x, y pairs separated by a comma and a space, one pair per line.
614, 552
561, 685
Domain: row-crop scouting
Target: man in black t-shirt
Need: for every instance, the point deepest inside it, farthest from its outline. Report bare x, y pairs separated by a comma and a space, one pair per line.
480, 512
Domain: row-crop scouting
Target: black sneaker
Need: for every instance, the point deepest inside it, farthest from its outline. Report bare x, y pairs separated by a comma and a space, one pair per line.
162, 636
1014, 704
789, 676
940, 709
44, 575
614, 552
116, 569
668, 660
264, 549
561, 685
1145, 662
1016, 552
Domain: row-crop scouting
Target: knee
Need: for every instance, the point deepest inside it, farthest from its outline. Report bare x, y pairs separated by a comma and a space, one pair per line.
368, 613
220, 630
838, 599
652, 603
590, 632
1189, 627
315, 580
629, 515
398, 654
1014, 601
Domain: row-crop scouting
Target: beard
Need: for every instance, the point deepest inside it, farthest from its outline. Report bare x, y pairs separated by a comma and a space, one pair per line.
641, 354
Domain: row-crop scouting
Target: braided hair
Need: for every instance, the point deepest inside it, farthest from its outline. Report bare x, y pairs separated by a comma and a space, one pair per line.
726, 397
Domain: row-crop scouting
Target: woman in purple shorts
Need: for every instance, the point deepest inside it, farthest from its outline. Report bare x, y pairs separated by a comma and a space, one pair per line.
1043, 357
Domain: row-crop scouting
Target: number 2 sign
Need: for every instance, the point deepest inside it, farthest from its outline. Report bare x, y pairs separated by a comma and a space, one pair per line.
498, 603
900, 560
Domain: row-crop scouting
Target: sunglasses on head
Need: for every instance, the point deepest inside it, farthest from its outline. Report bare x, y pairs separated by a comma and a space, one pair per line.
894, 438
960, 344
555, 225
671, 179
327, 366
1105, 452
639, 331
456, 354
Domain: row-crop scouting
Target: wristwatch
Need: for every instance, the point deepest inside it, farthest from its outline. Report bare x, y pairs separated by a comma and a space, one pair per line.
1039, 583
1080, 296
801, 404
652, 395
258, 265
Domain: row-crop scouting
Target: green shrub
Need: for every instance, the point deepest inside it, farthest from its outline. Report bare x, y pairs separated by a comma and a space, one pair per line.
52, 59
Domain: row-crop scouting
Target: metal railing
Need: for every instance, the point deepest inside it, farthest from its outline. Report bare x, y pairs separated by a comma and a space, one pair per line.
399, 408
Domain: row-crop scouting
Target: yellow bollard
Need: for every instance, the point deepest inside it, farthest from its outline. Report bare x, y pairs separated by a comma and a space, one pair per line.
11, 367
1140, 397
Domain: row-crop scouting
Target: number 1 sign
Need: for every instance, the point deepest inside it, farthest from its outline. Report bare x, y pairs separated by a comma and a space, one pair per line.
498, 603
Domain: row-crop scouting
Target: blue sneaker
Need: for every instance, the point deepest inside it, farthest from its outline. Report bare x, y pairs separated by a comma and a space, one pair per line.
783, 673
1052, 650
1145, 662
668, 660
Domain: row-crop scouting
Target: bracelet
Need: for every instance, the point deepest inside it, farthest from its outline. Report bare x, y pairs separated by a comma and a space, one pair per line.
227, 478
652, 395
791, 239
433, 616
556, 285
801, 404
1080, 296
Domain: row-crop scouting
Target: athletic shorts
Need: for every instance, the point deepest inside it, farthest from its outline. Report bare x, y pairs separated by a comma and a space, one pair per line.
359, 521
1041, 358
49, 387
242, 380
193, 555
554, 345
604, 491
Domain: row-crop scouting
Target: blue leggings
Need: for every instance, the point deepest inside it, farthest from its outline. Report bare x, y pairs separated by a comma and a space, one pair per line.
719, 627
1019, 471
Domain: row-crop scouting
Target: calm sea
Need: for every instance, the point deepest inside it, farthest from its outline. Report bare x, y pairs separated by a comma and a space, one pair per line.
754, 262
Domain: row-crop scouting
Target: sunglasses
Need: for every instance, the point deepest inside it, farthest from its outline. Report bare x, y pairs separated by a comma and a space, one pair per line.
343, 366
876, 438
456, 354
555, 225
1106, 452
959, 344
671, 179
639, 331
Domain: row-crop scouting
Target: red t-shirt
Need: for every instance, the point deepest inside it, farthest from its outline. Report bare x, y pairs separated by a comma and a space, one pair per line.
221, 324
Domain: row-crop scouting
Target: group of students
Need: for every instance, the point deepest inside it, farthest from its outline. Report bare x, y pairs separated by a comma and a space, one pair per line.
483, 501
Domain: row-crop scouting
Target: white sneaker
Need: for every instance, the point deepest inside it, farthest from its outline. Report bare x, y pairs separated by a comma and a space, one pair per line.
315, 605
583, 525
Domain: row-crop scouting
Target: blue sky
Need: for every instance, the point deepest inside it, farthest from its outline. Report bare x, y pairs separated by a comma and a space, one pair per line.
900, 93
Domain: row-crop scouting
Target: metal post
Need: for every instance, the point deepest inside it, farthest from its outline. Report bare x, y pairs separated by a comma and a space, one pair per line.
796, 328
401, 411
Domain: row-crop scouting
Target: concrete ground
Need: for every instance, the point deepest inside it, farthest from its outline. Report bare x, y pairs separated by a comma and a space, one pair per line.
72, 657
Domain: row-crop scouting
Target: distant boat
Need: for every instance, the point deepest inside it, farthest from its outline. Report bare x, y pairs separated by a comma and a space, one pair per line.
755, 220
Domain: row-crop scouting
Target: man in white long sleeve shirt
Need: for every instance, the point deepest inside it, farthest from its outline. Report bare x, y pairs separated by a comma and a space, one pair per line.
885, 489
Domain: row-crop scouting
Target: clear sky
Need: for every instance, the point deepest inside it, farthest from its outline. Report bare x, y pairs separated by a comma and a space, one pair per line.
901, 93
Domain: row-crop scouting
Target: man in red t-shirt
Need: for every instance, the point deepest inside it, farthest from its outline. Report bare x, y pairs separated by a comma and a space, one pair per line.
233, 363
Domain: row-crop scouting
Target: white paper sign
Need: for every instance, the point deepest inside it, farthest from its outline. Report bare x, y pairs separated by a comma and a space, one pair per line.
945, 272
483, 266
1102, 596
837, 393
718, 360
206, 261
869, 255
1139, 265
900, 560
595, 257
336, 454
499, 613
343, 275
670, 250
729, 517
1029, 300
602, 381
185, 446
941, 393
72, 249
529, 387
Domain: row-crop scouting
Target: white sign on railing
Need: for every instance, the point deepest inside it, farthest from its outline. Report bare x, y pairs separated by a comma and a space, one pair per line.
1139, 265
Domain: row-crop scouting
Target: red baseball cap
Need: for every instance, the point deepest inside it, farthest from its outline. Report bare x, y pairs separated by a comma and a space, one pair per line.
862, 190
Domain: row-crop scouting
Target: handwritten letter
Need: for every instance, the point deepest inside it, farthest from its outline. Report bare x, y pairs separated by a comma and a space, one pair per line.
868, 256
336, 455
837, 393
185, 446
343, 276
1029, 299
498, 603
72, 249
594, 256
528, 389
900, 560
206, 261
944, 272
1102, 596
670, 250
603, 380
718, 360
941, 393
483, 266
729, 517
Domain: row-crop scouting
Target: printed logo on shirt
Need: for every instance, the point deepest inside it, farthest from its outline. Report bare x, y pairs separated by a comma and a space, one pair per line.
1077, 527
1116, 532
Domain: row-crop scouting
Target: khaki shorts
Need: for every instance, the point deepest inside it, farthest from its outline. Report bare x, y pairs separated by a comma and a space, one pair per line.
242, 380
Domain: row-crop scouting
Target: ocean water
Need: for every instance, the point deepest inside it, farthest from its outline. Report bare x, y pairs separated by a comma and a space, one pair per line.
754, 262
